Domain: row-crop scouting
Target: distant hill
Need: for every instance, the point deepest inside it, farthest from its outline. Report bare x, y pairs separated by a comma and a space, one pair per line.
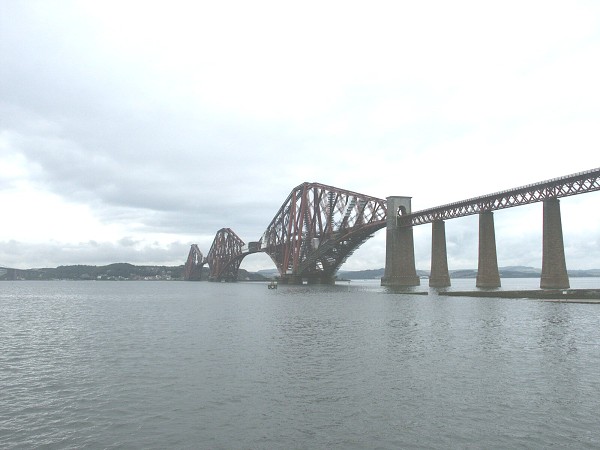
244, 275
117, 271
505, 272
113, 272
125, 271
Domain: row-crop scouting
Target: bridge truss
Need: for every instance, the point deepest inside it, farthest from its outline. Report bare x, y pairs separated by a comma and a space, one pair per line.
192, 271
317, 228
225, 256
577, 183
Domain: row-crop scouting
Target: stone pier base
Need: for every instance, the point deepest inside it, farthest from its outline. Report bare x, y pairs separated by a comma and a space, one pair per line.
487, 266
399, 248
554, 267
439, 277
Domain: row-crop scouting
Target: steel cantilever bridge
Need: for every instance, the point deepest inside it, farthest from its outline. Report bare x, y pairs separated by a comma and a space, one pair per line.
318, 227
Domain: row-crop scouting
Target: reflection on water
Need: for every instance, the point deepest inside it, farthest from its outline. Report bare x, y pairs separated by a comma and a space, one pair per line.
203, 365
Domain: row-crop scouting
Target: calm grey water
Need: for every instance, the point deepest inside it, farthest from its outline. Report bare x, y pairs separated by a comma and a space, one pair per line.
237, 366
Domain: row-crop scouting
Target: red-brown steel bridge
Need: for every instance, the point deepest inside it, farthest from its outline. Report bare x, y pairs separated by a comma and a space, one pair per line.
318, 227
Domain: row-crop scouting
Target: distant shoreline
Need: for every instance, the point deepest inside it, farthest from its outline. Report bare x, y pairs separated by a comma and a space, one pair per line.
126, 271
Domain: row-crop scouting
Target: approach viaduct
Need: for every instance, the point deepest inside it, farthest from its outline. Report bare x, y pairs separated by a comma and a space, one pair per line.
318, 227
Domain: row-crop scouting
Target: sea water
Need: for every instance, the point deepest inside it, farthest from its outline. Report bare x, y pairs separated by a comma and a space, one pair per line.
158, 365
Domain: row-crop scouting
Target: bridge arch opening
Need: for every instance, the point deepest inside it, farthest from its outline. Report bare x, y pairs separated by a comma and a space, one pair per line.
260, 263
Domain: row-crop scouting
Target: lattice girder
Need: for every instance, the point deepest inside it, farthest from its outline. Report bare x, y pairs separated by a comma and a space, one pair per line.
577, 183
225, 256
192, 270
318, 227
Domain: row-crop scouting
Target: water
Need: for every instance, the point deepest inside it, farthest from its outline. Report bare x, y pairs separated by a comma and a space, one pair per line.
237, 366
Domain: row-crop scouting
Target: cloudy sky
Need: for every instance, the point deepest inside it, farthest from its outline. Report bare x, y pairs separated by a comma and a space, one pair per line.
132, 129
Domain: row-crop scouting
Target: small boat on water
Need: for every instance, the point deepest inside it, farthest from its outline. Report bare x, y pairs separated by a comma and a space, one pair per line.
272, 285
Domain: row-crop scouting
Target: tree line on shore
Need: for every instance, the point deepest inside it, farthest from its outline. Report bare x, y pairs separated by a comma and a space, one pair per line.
126, 271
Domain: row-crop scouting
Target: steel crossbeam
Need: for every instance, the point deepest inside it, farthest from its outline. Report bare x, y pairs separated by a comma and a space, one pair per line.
577, 183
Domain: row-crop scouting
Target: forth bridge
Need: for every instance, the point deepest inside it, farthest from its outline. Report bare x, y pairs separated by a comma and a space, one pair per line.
318, 227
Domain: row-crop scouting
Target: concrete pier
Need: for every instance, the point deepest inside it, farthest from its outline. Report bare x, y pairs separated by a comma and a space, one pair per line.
399, 248
488, 275
439, 276
554, 267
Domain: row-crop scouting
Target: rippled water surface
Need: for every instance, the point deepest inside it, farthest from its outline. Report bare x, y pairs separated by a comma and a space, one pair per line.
353, 366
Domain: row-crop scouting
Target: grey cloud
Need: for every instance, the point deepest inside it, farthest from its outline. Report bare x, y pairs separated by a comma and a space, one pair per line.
93, 141
158, 184
137, 148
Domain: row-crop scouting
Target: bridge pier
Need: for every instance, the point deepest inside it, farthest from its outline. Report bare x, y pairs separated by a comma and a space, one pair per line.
554, 267
439, 276
290, 279
487, 265
399, 247
324, 279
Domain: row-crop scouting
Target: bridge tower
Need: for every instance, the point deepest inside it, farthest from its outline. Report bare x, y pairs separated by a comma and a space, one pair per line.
399, 247
192, 271
225, 256
317, 228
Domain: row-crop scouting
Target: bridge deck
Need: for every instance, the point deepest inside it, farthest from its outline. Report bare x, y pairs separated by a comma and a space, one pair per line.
577, 183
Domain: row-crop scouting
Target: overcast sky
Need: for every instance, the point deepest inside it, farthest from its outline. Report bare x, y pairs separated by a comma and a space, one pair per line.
132, 129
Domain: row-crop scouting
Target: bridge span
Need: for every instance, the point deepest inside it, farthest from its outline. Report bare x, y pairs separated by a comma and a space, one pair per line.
318, 227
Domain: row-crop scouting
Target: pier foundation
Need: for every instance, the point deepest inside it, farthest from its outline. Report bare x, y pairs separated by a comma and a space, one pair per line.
322, 279
290, 279
439, 276
554, 267
399, 247
487, 265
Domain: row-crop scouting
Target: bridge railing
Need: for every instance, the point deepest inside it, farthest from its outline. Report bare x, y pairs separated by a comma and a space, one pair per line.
573, 184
